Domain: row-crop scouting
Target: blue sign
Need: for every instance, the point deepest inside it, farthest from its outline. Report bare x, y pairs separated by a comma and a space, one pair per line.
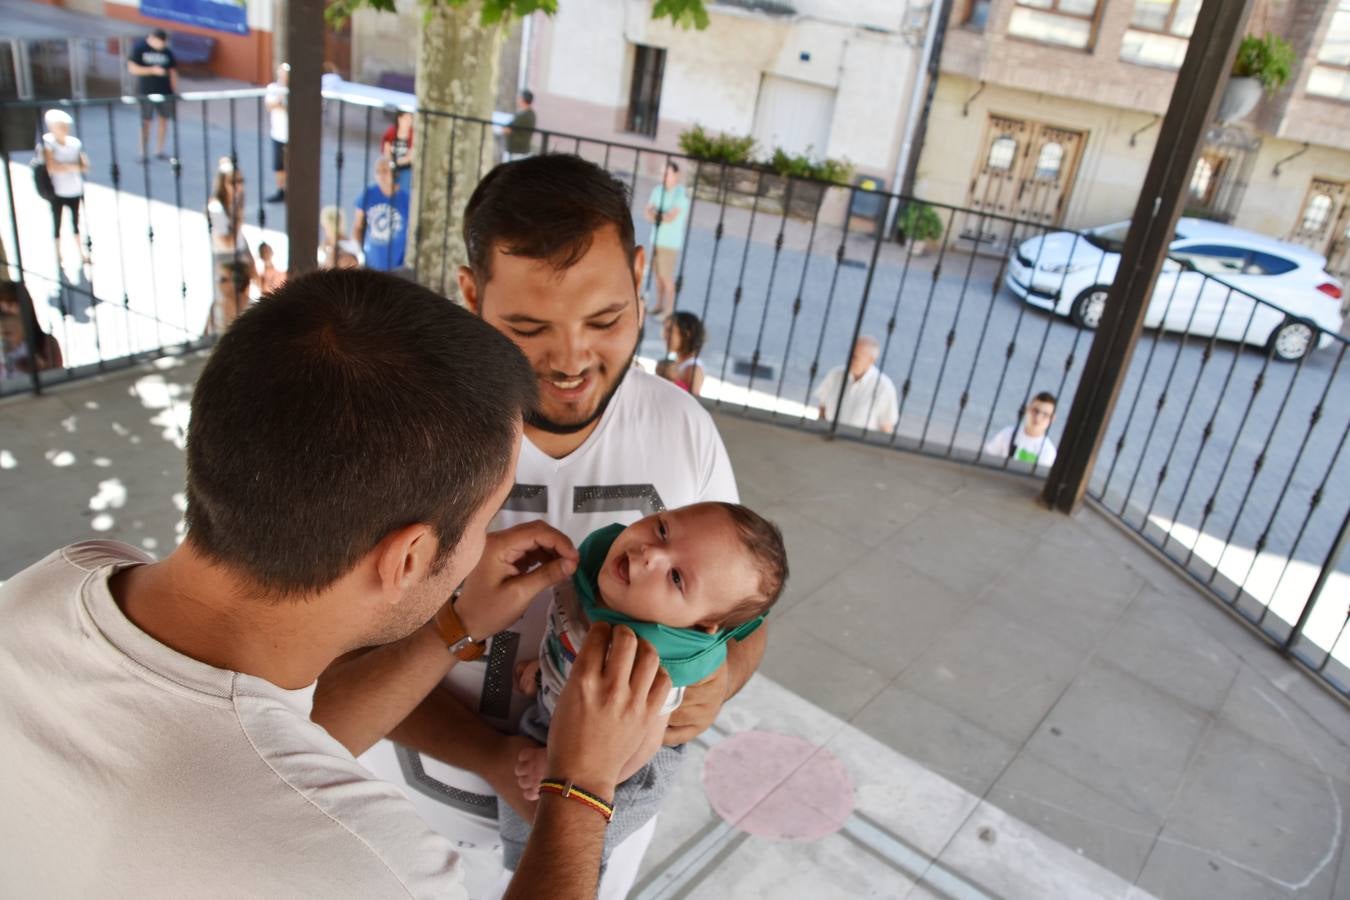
222, 15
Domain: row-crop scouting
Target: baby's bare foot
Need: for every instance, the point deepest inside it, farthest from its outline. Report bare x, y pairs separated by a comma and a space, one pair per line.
531, 766
527, 677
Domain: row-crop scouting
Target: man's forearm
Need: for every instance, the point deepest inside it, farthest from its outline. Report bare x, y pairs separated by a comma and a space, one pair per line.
447, 730
562, 858
743, 658
361, 700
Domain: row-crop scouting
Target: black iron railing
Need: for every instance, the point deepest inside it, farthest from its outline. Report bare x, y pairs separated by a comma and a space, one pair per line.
1221, 454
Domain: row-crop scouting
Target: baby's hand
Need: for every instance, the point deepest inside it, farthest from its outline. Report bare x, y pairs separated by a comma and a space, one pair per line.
527, 677
531, 767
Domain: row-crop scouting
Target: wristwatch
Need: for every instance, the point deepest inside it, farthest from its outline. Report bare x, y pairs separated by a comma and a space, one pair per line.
457, 638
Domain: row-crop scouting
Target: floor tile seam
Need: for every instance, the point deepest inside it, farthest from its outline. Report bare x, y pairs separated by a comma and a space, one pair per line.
844, 652
1210, 721
1154, 834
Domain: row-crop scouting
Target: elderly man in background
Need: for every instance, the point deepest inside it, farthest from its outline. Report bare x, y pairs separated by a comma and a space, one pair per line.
869, 394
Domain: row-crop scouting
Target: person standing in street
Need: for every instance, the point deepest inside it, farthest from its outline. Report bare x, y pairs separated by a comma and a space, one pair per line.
279, 126
381, 222
870, 401
232, 262
156, 71
67, 165
666, 209
520, 132
397, 147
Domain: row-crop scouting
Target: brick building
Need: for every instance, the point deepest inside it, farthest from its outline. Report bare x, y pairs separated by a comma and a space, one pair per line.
1048, 110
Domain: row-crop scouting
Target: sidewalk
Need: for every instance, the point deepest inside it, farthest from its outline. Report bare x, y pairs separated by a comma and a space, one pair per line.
964, 696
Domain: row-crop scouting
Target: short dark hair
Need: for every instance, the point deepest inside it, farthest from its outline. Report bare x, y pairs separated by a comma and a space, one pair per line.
1045, 397
527, 95
545, 207
342, 406
690, 328
159, 33
765, 543
673, 166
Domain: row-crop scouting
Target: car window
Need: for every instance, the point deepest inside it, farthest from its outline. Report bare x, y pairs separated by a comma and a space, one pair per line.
1268, 264
1111, 238
1213, 259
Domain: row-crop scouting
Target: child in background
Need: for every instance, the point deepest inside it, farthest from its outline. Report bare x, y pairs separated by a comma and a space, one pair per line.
684, 339
272, 277
687, 580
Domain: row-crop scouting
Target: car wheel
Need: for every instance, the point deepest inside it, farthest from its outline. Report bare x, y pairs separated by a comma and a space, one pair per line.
1292, 340
1088, 307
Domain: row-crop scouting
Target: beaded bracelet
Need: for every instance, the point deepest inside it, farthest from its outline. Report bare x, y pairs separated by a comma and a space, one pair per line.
569, 791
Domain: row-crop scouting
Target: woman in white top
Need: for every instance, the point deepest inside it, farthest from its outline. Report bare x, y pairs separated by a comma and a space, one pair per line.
232, 263
66, 164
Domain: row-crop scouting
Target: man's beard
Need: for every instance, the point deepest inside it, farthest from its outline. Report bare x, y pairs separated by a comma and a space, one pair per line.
536, 419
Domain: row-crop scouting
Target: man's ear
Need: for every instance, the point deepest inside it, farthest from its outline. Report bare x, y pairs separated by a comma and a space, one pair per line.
468, 290
404, 558
639, 265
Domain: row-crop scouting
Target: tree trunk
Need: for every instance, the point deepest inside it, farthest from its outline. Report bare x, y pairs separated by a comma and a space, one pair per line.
456, 74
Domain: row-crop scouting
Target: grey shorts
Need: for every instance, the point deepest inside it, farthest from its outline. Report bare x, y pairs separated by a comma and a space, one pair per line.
149, 108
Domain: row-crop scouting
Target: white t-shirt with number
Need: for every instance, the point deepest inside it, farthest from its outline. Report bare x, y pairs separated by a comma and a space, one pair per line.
655, 448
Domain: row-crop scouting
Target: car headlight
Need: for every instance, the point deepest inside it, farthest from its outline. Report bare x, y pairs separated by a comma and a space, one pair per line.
1065, 268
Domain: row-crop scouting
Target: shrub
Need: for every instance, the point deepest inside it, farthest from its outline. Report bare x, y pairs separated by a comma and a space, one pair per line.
1269, 59
723, 148
802, 166
920, 222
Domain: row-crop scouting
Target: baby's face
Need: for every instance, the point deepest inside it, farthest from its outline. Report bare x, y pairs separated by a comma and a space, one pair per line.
686, 568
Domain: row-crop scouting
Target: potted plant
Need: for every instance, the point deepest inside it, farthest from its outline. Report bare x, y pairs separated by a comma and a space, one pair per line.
720, 156
921, 225
1261, 64
799, 183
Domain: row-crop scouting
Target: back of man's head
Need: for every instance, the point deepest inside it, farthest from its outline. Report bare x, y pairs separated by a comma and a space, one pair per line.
545, 207
344, 405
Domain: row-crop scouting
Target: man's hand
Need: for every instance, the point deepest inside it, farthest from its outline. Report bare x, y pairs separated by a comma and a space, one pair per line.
700, 706
703, 701
613, 696
517, 564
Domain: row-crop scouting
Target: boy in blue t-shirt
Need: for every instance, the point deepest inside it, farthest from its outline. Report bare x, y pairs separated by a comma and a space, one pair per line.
381, 225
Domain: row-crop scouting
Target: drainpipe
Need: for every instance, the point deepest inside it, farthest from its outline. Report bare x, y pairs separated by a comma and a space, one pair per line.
916, 124
526, 39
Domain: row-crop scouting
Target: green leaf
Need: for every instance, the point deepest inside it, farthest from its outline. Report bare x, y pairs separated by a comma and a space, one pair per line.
684, 13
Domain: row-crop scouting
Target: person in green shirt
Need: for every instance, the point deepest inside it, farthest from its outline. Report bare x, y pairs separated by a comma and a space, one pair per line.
666, 208
521, 130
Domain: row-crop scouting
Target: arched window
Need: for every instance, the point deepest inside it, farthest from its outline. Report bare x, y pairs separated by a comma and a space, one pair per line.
1201, 179
1316, 213
1049, 161
1002, 152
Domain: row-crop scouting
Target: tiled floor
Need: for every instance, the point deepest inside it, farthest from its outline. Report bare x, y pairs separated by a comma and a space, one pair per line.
1027, 705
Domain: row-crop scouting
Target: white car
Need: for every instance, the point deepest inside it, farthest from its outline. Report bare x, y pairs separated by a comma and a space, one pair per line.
1070, 274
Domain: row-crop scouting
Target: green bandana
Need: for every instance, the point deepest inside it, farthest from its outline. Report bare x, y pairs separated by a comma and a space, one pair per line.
687, 654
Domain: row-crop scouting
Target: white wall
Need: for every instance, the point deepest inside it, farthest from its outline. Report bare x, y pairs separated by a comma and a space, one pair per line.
712, 77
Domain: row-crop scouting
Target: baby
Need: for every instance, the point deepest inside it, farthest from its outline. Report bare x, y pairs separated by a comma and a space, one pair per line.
687, 580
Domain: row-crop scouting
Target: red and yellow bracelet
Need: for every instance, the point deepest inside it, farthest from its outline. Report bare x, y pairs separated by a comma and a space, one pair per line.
568, 791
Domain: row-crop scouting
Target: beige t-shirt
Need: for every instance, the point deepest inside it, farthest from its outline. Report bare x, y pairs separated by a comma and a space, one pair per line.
135, 771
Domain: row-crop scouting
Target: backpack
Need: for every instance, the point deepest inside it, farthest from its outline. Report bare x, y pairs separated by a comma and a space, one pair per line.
42, 179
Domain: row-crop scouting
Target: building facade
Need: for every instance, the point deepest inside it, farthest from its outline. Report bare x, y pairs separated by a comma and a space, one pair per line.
1048, 111
810, 76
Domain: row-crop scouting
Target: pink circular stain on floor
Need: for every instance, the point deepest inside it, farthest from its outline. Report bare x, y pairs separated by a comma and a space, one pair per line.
777, 786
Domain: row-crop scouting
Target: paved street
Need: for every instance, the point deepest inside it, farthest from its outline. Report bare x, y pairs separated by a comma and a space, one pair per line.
965, 352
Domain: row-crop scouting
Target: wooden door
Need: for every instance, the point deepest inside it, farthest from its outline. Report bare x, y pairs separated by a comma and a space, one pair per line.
1324, 224
1026, 172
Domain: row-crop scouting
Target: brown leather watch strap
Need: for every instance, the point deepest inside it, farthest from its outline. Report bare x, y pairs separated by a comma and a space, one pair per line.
457, 638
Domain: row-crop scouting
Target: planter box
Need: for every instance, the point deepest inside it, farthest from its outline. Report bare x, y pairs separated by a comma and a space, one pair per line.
766, 191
